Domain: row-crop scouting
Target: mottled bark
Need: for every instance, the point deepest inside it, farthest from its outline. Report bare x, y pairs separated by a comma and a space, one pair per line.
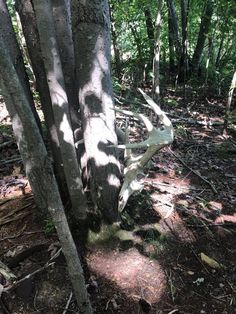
62, 22
53, 66
39, 170
91, 24
28, 22
6, 29
202, 35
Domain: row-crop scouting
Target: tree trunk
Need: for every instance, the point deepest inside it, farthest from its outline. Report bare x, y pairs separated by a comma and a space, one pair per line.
173, 29
115, 47
150, 33
28, 22
183, 60
203, 33
63, 28
49, 48
229, 100
91, 24
156, 59
39, 171
9, 36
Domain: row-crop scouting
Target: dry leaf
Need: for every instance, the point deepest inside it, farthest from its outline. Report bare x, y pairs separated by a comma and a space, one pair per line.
210, 261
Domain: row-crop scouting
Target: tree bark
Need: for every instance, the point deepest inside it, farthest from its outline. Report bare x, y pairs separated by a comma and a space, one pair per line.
115, 46
6, 29
39, 170
28, 22
151, 37
49, 48
156, 59
63, 28
202, 35
173, 32
91, 32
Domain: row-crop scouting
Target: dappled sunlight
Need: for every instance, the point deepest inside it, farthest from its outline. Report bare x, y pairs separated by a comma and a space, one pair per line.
136, 275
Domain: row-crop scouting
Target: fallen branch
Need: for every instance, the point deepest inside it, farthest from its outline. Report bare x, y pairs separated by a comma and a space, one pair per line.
6, 144
48, 264
195, 172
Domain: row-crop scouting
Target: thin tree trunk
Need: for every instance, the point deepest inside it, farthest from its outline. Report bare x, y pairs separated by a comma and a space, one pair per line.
39, 171
229, 100
202, 35
91, 32
9, 36
156, 59
151, 37
115, 46
217, 63
49, 48
63, 28
28, 22
174, 27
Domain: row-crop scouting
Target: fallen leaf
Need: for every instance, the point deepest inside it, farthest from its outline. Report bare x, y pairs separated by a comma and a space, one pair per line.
210, 261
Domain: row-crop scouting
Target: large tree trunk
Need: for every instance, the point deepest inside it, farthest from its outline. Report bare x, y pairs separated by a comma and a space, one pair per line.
50, 52
9, 36
203, 33
28, 22
39, 170
92, 49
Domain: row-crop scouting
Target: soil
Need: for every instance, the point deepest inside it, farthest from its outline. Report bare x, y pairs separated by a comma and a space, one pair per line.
175, 251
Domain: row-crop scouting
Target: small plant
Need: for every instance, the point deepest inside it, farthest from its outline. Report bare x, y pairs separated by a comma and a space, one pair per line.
49, 227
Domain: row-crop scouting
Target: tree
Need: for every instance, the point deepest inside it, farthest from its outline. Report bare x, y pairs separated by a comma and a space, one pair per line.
173, 35
91, 31
39, 170
156, 59
202, 35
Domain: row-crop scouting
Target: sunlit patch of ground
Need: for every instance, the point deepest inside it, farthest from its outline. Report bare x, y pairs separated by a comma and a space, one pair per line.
135, 274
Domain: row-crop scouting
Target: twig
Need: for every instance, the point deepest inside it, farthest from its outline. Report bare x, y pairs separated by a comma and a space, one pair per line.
195, 172
68, 303
15, 236
6, 144
9, 161
16, 283
48, 264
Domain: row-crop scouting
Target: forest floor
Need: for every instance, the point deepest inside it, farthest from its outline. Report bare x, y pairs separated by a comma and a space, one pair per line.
176, 251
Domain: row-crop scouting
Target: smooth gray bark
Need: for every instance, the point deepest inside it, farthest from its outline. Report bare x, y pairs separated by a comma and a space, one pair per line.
28, 22
62, 22
53, 66
39, 170
6, 29
91, 32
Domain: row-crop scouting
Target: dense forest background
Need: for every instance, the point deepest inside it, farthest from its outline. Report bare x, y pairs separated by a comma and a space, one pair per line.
117, 156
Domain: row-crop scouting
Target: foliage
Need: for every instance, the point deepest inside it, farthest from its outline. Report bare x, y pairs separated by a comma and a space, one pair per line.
133, 42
